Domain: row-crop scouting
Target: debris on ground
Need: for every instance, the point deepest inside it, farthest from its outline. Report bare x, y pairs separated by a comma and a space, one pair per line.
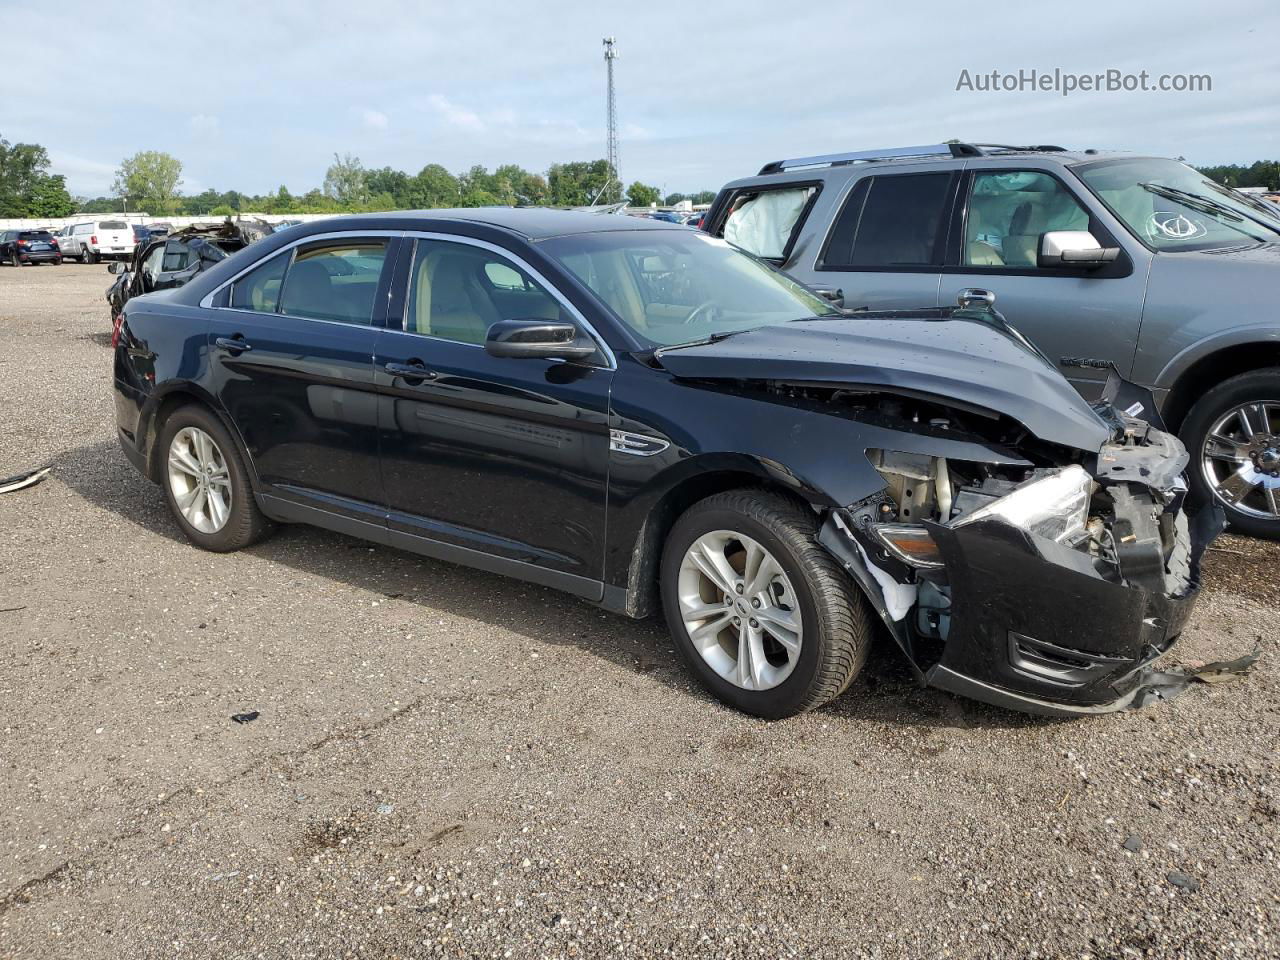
23, 480
1184, 881
248, 717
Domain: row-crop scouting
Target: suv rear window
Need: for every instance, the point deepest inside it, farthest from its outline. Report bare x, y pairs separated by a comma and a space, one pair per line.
113, 225
38, 235
889, 222
762, 223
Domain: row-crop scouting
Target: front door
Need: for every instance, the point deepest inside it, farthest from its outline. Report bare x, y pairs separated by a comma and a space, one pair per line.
292, 357
1080, 319
506, 458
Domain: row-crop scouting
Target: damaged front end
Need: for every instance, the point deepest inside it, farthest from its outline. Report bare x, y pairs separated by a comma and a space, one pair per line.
1048, 589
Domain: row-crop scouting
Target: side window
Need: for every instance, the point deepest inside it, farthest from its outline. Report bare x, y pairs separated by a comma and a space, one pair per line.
1007, 213
153, 264
259, 289
176, 256
763, 223
456, 291
889, 221
334, 281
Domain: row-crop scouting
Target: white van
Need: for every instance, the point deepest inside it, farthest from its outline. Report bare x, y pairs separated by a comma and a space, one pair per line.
91, 242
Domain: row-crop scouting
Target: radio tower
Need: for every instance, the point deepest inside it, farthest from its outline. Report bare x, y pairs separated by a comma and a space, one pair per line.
611, 147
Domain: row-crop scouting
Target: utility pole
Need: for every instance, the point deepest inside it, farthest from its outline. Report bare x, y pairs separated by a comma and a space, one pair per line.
611, 147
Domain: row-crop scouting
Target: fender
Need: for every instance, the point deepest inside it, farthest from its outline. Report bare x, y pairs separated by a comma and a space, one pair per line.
1238, 336
151, 406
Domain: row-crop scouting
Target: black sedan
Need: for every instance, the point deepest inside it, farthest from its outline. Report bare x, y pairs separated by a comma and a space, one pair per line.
642, 416
18, 247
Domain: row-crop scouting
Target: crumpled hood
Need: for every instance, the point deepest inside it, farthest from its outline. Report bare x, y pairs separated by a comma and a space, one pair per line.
965, 360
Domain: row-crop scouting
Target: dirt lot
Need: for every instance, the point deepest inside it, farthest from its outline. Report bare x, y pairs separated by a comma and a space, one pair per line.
448, 763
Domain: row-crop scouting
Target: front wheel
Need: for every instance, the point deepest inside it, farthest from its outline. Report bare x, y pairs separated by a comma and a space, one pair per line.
206, 482
760, 611
1233, 435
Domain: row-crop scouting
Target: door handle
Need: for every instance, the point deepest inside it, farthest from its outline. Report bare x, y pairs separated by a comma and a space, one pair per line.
413, 370
232, 344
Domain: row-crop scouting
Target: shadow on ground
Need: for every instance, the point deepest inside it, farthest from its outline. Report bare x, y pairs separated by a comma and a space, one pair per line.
885, 692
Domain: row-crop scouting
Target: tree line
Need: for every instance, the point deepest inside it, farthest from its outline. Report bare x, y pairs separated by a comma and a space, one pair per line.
151, 181
27, 189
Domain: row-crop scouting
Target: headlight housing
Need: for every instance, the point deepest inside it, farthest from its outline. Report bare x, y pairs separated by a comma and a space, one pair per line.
1055, 507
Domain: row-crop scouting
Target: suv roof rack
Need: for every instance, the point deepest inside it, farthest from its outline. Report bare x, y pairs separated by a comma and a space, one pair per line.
868, 156
952, 149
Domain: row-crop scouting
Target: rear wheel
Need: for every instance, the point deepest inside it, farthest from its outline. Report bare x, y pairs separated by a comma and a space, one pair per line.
760, 611
90, 256
206, 482
13, 259
1233, 434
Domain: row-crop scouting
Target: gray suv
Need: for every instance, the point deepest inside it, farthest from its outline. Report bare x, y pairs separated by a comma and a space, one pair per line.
1101, 259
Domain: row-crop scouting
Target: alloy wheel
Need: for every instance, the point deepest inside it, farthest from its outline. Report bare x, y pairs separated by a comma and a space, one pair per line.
1240, 459
740, 610
199, 480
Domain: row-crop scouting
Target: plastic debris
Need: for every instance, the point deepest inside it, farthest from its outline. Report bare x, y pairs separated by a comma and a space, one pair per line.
23, 480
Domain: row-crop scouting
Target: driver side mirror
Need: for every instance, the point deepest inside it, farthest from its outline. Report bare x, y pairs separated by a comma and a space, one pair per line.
1073, 248
538, 339
117, 266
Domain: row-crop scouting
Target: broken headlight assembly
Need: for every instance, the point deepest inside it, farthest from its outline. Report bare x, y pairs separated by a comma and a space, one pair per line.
1053, 504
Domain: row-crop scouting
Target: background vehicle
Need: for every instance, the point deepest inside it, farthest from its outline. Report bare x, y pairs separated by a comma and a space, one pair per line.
140, 234
28, 246
637, 414
68, 244
103, 239
1100, 259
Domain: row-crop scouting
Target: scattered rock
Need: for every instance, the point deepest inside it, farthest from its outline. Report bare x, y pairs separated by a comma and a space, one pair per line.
1184, 881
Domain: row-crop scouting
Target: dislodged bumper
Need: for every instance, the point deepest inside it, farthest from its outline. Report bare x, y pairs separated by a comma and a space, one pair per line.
1035, 627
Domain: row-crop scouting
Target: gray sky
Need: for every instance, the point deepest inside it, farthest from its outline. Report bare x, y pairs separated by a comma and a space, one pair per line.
251, 95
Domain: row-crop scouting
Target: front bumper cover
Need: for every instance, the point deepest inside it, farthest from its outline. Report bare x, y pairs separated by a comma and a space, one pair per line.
1034, 627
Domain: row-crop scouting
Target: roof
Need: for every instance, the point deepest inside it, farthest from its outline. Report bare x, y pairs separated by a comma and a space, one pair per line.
532, 223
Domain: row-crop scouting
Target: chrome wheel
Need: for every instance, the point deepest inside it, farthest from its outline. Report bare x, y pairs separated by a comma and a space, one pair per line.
199, 480
740, 610
1241, 459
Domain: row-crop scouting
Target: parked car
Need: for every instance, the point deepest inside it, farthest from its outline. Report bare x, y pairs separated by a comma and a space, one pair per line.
97, 240
28, 246
1102, 260
638, 414
164, 262
140, 235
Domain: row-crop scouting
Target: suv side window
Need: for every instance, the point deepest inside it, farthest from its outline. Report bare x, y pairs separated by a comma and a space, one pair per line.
334, 280
457, 291
259, 289
1007, 212
764, 222
890, 221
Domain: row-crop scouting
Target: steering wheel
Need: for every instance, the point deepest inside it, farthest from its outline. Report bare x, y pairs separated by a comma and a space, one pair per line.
706, 305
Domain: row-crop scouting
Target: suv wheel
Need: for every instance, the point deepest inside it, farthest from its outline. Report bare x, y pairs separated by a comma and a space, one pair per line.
206, 483
760, 611
13, 259
1233, 433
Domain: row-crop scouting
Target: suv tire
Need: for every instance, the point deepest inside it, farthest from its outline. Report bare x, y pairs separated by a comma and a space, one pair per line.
1246, 411
805, 588
200, 463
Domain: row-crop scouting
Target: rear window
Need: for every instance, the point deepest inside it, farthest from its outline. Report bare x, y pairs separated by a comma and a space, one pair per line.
763, 223
44, 235
889, 221
113, 225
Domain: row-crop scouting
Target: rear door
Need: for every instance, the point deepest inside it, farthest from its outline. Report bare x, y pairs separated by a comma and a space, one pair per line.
115, 237
887, 243
292, 356
1081, 319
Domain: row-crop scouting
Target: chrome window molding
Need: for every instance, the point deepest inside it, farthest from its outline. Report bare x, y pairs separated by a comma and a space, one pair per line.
611, 361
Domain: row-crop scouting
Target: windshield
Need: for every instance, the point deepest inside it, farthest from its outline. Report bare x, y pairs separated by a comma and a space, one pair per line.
674, 286
1170, 206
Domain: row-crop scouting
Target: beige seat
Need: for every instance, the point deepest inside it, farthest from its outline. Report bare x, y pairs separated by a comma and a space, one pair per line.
450, 301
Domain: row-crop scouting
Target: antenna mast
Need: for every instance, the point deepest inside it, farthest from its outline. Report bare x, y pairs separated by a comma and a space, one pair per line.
611, 147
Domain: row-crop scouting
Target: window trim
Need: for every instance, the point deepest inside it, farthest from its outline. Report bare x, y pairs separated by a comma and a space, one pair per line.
940, 240
416, 235
1121, 267
717, 228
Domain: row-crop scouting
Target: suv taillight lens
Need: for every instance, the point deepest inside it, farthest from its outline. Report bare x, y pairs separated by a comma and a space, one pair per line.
93, 241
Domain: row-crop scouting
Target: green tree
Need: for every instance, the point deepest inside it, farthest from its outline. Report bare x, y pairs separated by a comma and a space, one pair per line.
26, 187
673, 198
393, 183
434, 186
703, 196
641, 194
221, 210
49, 198
580, 183
344, 181
150, 179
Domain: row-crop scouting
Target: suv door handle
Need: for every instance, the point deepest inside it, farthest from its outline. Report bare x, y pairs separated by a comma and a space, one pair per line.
232, 345
413, 370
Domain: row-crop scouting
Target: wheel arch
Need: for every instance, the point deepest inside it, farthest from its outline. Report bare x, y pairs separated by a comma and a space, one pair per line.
170, 397
1190, 378
639, 598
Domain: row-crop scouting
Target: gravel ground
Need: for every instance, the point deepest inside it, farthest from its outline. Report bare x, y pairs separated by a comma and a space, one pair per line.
448, 763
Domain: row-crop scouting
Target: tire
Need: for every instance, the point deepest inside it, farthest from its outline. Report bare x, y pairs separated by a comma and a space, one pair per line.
834, 629
13, 259
1257, 511
90, 256
243, 523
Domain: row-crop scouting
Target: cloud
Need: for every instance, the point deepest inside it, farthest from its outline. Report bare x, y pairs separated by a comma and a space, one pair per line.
202, 124
455, 115
374, 119
83, 175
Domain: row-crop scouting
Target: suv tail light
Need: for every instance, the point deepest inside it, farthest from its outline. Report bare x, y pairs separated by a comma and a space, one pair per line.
93, 241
